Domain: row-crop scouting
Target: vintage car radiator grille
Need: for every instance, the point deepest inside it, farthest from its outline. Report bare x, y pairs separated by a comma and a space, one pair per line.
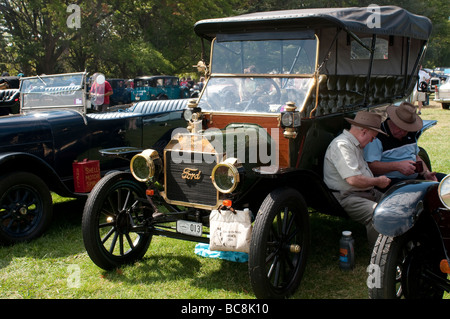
189, 182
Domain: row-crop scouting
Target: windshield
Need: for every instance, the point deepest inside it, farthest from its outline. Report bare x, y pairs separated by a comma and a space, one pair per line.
264, 57
253, 95
62, 90
259, 75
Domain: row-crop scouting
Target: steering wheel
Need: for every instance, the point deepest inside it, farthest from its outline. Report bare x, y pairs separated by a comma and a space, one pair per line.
260, 93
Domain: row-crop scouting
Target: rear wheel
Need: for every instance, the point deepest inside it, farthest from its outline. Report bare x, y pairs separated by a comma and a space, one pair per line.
113, 224
406, 267
279, 245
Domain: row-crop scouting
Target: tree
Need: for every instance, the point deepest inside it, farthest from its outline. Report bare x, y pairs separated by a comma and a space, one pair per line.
129, 38
39, 33
166, 27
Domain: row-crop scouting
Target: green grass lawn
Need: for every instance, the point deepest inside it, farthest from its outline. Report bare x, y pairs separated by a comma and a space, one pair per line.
435, 140
57, 265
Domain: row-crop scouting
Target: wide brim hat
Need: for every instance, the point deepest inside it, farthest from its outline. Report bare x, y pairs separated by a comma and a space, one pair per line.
369, 120
405, 117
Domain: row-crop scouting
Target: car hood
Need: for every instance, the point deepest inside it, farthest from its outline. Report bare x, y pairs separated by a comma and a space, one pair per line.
30, 128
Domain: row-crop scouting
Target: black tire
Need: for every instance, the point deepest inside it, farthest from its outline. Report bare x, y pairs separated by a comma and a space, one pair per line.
281, 226
26, 208
107, 219
401, 262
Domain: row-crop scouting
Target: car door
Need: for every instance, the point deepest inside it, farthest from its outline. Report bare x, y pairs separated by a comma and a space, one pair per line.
157, 129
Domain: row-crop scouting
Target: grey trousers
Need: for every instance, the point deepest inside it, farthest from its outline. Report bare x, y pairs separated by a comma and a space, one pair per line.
360, 206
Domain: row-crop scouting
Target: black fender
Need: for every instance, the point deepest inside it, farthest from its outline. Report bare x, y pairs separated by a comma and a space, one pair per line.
400, 207
310, 184
20, 161
125, 153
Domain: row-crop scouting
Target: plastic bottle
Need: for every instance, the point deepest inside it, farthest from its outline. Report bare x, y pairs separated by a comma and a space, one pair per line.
346, 251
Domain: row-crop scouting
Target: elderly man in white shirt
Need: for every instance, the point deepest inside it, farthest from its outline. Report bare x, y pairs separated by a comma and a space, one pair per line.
348, 175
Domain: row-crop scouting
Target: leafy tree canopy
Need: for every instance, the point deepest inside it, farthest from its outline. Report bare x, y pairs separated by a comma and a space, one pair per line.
142, 37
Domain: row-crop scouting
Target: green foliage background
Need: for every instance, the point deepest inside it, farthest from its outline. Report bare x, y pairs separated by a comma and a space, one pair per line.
130, 38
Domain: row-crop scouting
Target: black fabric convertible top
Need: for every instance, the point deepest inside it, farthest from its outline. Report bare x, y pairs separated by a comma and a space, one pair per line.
387, 20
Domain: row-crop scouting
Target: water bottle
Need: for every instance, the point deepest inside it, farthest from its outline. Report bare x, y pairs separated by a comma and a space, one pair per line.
346, 251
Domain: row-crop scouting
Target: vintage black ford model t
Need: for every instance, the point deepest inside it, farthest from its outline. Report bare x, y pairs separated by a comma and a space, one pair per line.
279, 85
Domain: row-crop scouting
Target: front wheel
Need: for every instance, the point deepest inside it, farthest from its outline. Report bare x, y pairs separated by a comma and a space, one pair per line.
25, 207
114, 221
405, 267
279, 245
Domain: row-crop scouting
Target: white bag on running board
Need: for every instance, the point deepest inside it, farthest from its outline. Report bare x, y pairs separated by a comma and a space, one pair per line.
230, 231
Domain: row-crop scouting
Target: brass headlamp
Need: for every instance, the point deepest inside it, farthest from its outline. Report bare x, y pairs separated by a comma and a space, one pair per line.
145, 165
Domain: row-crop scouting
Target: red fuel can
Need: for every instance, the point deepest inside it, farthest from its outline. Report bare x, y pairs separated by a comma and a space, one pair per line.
85, 175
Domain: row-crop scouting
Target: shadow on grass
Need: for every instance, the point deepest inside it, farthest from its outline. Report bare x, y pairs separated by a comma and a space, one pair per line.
63, 237
174, 269
231, 276
215, 275
68, 213
323, 279
154, 269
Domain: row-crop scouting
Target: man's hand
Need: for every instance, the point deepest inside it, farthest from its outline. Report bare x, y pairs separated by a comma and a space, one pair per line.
430, 176
406, 167
382, 181
362, 181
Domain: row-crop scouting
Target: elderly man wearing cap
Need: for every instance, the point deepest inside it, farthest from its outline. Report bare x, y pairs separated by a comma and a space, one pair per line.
347, 174
396, 154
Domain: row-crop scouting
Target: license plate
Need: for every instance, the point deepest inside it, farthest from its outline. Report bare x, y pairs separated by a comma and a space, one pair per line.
189, 228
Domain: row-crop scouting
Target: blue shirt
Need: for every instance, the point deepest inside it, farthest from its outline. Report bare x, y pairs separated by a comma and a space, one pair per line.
389, 149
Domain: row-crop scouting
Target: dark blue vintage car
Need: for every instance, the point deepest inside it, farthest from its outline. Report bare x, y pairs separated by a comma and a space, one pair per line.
55, 128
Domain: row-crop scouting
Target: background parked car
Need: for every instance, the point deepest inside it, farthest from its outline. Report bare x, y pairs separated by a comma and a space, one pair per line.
435, 81
160, 87
39, 146
443, 94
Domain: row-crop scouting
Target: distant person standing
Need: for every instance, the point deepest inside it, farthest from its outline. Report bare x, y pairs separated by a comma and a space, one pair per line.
190, 82
183, 82
420, 90
100, 92
201, 83
127, 92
